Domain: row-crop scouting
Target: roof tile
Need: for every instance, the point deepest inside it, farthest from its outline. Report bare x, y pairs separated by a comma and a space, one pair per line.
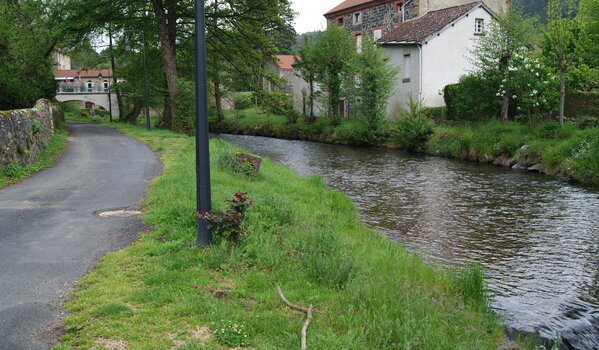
419, 29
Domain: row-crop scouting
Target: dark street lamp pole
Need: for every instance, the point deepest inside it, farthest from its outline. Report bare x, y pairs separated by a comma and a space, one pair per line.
128, 48
204, 236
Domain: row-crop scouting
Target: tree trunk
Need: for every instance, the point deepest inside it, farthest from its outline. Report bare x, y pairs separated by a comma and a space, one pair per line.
505, 107
220, 116
562, 95
119, 101
169, 61
311, 102
131, 118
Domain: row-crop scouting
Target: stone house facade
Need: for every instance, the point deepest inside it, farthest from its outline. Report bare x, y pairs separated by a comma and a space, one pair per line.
375, 18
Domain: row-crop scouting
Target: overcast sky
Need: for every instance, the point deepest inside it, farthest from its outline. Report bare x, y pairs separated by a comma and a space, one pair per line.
310, 14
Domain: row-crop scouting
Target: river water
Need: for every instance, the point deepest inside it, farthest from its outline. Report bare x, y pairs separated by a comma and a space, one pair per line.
537, 238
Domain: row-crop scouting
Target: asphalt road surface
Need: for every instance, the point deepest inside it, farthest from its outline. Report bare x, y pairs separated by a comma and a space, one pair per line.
49, 233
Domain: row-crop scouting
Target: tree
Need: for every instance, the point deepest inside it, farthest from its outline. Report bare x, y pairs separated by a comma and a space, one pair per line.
306, 67
25, 61
588, 15
333, 52
238, 34
374, 81
562, 43
509, 33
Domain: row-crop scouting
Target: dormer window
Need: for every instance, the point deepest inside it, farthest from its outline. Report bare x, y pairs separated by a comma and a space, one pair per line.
340, 21
357, 18
479, 26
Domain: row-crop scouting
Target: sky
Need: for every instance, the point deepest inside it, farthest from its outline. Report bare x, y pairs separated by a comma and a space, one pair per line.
310, 14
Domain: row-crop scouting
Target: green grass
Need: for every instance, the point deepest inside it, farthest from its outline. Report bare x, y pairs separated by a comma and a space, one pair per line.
47, 158
560, 150
165, 293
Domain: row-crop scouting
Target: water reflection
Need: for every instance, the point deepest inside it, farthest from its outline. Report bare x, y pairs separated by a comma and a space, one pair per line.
537, 238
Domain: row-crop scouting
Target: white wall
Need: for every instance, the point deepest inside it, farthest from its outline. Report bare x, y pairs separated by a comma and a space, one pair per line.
446, 57
403, 88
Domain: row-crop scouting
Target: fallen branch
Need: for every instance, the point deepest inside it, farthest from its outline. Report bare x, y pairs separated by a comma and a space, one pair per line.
307, 310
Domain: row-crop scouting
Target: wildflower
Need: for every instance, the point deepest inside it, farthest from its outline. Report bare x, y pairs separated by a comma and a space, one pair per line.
514, 97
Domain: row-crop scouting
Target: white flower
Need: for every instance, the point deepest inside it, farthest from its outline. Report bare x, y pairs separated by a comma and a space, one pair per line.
537, 74
514, 97
498, 94
534, 92
503, 92
538, 65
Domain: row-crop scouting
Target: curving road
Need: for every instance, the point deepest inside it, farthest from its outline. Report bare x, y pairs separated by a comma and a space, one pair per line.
50, 237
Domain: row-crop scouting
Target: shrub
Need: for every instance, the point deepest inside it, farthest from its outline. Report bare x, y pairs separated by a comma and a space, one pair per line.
276, 103
14, 170
473, 98
412, 128
356, 131
582, 103
228, 224
184, 121
243, 100
83, 113
436, 114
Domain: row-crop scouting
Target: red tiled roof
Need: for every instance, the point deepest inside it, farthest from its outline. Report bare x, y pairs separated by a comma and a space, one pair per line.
83, 73
420, 29
348, 4
285, 62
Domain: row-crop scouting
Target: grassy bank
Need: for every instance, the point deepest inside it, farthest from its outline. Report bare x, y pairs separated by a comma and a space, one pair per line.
164, 293
570, 151
47, 158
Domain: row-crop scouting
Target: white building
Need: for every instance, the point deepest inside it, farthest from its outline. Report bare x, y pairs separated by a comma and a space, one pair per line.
433, 51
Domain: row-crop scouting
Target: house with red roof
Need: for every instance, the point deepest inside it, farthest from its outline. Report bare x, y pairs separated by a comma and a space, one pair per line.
296, 87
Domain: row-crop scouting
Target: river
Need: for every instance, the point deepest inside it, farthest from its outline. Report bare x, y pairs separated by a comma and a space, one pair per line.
536, 237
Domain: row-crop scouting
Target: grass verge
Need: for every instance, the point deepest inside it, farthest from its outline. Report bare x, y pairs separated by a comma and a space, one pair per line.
47, 158
165, 293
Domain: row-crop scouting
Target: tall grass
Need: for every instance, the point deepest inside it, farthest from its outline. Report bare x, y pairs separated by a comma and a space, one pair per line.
369, 293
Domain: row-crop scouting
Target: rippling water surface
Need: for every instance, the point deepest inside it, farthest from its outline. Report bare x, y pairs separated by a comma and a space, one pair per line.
537, 238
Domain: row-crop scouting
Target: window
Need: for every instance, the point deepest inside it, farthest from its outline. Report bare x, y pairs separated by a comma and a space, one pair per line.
340, 21
407, 68
105, 86
359, 42
90, 86
358, 18
479, 26
397, 6
377, 34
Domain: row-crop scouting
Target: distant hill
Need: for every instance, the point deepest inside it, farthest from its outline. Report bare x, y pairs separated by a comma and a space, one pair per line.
534, 8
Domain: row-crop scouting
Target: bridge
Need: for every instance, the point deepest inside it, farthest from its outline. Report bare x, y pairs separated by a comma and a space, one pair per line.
90, 87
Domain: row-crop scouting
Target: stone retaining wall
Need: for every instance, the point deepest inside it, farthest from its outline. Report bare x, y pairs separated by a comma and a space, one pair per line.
24, 133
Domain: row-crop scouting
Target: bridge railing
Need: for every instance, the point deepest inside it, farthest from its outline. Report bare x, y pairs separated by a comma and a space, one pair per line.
80, 90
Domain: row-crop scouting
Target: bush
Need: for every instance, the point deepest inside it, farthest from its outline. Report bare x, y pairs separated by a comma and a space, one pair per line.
14, 170
276, 103
356, 131
84, 113
473, 98
436, 114
228, 224
412, 128
184, 120
581, 104
243, 100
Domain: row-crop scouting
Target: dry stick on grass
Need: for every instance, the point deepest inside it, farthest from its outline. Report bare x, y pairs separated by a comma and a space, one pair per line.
307, 310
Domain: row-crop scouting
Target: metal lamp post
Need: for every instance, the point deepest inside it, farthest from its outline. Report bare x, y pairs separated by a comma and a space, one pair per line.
128, 48
204, 236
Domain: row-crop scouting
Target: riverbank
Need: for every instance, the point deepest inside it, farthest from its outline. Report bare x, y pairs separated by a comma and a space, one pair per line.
368, 293
570, 151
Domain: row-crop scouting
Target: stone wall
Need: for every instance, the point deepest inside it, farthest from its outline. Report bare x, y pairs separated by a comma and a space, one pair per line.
24, 133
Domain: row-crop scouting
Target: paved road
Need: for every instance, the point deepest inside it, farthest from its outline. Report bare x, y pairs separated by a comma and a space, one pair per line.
49, 235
